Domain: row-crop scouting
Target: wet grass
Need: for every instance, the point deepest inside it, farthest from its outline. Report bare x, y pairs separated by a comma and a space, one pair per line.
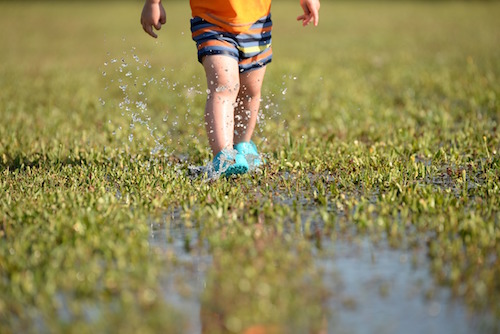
379, 124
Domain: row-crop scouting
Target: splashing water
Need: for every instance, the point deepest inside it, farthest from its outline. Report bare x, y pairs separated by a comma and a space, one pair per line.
135, 80
134, 85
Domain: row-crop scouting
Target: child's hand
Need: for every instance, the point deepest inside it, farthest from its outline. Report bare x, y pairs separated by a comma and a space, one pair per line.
153, 15
311, 8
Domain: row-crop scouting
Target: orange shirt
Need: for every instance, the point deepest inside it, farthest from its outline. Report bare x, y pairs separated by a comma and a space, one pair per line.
235, 16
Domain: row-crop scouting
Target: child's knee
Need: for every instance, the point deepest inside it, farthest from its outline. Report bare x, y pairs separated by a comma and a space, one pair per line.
225, 90
223, 85
250, 92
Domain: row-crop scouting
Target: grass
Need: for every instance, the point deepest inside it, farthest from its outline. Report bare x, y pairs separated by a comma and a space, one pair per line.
382, 123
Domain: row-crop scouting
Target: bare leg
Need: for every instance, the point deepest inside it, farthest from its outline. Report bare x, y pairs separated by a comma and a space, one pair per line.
223, 82
248, 103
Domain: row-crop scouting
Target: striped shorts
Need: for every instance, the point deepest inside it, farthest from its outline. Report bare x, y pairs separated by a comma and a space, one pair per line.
252, 49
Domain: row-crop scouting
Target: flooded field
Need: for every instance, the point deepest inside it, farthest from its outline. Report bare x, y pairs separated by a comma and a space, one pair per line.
366, 286
376, 210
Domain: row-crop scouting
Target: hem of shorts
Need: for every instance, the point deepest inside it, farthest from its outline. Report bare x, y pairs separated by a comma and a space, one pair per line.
218, 53
250, 69
256, 67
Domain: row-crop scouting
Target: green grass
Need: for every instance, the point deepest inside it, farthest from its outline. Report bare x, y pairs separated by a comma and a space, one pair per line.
381, 122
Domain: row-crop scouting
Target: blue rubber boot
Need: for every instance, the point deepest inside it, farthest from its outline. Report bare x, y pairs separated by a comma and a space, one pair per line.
249, 151
230, 163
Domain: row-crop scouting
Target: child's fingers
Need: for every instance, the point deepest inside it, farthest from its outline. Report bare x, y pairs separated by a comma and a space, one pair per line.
306, 19
307, 12
152, 17
315, 15
148, 28
163, 17
310, 9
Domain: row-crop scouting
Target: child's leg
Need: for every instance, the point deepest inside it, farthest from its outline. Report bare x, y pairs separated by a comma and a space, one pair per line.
223, 83
248, 103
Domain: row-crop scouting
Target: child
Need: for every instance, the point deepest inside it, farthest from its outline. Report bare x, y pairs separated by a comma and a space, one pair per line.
234, 46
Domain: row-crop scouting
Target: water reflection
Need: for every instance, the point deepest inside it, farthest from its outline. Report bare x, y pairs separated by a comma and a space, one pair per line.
270, 285
382, 290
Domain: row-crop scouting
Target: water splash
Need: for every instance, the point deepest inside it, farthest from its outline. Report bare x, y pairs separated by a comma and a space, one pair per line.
132, 85
135, 85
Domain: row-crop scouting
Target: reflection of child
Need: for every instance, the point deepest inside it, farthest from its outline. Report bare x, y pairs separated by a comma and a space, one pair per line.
234, 46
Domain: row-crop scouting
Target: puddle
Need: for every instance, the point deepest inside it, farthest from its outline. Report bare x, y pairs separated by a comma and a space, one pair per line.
376, 289
182, 287
371, 288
